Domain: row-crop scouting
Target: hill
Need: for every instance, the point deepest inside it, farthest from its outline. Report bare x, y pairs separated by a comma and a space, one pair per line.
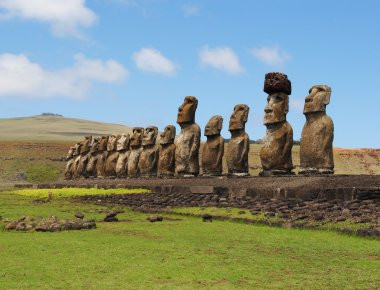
50, 127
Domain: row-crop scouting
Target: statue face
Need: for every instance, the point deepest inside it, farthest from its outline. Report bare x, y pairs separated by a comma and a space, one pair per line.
167, 137
112, 141
86, 144
94, 145
239, 117
277, 108
70, 153
317, 100
186, 112
214, 126
136, 138
123, 142
150, 135
103, 143
77, 148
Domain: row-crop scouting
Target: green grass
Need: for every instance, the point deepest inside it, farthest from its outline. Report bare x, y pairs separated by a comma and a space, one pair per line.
180, 253
71, 191
42, 173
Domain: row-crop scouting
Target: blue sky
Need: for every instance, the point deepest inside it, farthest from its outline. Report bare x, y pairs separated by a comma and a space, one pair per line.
133, 61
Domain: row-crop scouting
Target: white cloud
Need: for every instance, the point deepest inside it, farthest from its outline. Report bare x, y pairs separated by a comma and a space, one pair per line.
66, 17
190, 9
272, 56
222, 58
21, 77
151, 60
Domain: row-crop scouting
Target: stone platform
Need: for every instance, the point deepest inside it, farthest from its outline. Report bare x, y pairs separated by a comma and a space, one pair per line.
343, 187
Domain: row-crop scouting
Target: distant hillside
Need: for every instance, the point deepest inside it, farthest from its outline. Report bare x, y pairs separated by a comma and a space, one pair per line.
50, 127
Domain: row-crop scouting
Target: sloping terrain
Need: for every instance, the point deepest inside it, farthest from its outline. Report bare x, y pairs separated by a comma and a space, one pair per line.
54, 128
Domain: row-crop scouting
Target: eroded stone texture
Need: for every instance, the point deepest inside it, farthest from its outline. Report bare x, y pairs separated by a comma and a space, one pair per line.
112, 156
166, 160
238, 146
91, 164
276, 151
101, 157
188, 142
122, 148
84, 156
316, 150
149, 156
77, 157
135, 152
213, 149
69, 164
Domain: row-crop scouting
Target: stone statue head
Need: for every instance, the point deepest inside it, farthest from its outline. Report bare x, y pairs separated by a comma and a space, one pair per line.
317, 100
123, 142
167, 137
150, 135
186, 112
86, 143
70, 154
103, 143
276, 108
136, 139
276, 82
239, 117
112, 141
214, 126
94, 145
77, 148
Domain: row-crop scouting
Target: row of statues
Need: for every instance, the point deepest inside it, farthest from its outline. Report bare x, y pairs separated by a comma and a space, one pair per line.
139, 155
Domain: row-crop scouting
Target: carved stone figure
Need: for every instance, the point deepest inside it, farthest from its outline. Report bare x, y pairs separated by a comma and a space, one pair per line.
112, 156
77, 157
188, 142
213, 149
101, 157
69, 164
276, 151
84, 156
316, 150
238, 146
92, 161
122, 148
135, 151
166, 160
149, 156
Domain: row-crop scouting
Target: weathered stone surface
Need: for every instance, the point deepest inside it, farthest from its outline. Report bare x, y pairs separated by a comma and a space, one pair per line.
316, 150
77, 157
84, 157
91, 164
122, 148
101, 157
213, 149
135, 152
188, 142
70, 161
112, 156
166, 160
238, 146
276, 151
149, 156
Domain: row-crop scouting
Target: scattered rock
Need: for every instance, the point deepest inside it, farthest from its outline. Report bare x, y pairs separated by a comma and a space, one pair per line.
207, 217
79, 215
155, 219
111, 216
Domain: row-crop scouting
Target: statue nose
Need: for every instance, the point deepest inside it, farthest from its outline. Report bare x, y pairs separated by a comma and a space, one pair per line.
268, 110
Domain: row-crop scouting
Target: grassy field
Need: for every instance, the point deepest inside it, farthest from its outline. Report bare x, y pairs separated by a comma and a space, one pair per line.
180, 252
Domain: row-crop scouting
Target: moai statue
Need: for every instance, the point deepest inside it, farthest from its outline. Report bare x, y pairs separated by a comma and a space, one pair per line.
238, 146
166, 160
135, 151
69, 164
101, 157
149, 156
316, 150
122, 148
276, 151
213, 149
92, 161
77, 157
112, 156
84, 156
188, 142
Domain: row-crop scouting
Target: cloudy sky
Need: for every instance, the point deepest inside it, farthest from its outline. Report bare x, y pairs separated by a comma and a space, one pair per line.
133, 61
